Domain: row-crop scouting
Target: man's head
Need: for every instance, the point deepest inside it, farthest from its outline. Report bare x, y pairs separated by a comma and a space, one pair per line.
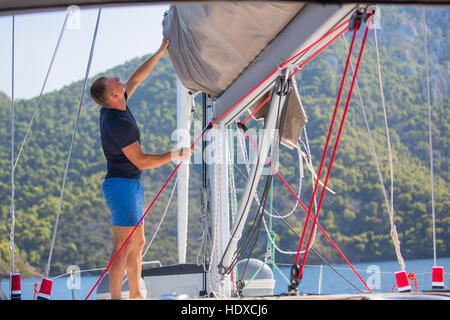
108, 92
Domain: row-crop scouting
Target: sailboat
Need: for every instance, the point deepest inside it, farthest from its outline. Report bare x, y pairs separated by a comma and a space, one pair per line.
241, 58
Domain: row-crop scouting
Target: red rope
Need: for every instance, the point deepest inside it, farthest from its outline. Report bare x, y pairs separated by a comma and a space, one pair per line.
132, 232
165, 184
313, 218
314, 43
259, 107
196, 141
336, 146
412, 277
318, 51
322, 161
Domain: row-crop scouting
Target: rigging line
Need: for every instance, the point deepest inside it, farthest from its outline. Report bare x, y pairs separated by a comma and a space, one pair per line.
247, 203
275, 149
325, 150
132, 231
241, 145
308, 152
314, 43
231, 182
319, 51
337, 143
162, 218
255, 230
314, 250
256, 109
393, 232
143, 216
42, 90
317, 223
170, 177
91, 54
430, 137
298, 235
11, 210
217, 201
278, 215
372, 143
159, 224
239, 252
284, 220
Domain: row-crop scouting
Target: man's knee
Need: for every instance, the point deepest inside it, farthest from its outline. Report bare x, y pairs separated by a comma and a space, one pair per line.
123, 248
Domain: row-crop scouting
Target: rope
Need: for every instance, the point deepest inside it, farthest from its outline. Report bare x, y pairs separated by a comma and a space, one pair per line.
232, 185
411, 277
42, 90
11, 210
170, 177
380, 175
394, 233
430, 137
319, 51
312, 45
326, 145
162, 218
205, 238
72, 143
337, 140
217, 201
247, 165
159, 225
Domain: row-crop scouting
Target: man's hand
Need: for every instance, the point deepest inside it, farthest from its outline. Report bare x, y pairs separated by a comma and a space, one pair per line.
181, 154
141, 73
163, 48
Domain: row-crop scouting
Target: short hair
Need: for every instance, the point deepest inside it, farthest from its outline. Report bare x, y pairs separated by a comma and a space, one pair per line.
98, 90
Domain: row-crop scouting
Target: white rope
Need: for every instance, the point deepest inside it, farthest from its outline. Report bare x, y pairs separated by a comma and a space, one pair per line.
205, 238
162, 218
42, 90
430, 137
72, 142
241, 142
217, 205
394, 233
14, 162
231, 182
266, 212
11, 211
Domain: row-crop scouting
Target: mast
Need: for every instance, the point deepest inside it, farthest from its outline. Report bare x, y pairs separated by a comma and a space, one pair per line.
215, 157
184, 106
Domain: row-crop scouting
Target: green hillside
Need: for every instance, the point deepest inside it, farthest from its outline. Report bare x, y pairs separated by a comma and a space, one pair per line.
356, 217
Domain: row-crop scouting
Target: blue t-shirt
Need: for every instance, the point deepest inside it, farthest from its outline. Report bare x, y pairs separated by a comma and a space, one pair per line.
118, 129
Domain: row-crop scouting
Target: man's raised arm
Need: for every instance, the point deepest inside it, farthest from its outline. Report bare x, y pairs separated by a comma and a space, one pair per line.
141, 73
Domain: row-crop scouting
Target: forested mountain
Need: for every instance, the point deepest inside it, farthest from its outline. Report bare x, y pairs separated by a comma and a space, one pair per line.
356, 217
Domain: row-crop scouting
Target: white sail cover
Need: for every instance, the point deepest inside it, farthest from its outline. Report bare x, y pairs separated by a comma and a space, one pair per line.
211, 44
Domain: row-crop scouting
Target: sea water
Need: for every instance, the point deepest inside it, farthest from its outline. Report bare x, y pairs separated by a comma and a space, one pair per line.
379, 277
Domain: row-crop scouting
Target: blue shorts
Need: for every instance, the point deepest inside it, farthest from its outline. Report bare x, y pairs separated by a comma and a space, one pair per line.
124, 198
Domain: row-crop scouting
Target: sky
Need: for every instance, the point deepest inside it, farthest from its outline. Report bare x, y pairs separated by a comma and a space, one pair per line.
124, 33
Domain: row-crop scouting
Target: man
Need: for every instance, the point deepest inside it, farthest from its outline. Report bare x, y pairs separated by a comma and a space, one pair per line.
122, 188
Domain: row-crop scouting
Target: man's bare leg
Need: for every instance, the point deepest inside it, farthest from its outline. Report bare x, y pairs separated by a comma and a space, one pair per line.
134, 264
117, 269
